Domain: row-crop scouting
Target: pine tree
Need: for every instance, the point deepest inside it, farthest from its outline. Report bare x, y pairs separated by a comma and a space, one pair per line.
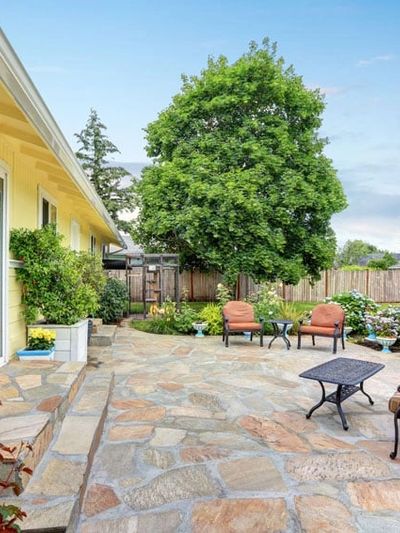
93, 153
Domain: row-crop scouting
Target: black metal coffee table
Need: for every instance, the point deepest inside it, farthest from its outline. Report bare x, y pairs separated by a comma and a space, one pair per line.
281, 332
349, 376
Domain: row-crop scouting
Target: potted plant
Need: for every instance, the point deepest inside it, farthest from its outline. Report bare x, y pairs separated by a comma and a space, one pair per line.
386, 325
40, 345
60, 288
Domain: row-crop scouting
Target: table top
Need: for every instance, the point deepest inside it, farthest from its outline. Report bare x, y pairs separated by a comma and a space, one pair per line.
343, 371
280, 321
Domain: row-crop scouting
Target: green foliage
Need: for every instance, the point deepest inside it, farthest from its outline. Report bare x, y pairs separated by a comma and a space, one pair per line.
91, 268
353, 251
353, 268
53, 278
113, 301
212, 314
384, 263
291, 311
223, 295
184, 318
356, 307
240, 182
95, 148
266, 302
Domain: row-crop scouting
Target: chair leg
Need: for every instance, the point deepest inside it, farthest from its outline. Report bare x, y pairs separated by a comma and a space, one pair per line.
343, 342
334, 345
226, 339
223, 335
251, 336
393, 454
299, 340
262, 338
313, 340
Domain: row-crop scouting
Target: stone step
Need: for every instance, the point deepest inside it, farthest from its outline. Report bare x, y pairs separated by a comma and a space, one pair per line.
44, 393
53, 496
104, 337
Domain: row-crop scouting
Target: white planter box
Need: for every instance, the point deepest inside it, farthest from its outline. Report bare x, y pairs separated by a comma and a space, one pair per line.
71, 341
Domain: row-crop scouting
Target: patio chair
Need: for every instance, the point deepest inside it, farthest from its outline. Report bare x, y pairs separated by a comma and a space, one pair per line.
238, 317
327, 320
394, 407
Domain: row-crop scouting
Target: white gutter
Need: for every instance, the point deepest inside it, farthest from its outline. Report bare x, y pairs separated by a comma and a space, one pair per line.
19, 84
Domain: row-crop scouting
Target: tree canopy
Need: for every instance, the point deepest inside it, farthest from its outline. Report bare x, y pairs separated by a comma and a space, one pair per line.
354, 250
240, 182
93, 154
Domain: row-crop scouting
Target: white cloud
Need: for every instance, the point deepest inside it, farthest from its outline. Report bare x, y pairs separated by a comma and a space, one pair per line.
47, 69
376, 59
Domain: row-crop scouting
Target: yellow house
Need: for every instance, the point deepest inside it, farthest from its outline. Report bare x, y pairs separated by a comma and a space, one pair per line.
41, 181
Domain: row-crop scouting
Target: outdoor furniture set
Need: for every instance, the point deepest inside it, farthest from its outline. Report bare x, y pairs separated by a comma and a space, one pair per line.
327, 320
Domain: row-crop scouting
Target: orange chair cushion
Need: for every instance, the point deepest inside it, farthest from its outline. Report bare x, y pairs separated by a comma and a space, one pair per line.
317, 330
325, 316
237, 311
394, 402
244, 326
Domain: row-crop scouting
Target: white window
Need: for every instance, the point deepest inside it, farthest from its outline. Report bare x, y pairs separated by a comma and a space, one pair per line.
93, 244
75, 236
47, 209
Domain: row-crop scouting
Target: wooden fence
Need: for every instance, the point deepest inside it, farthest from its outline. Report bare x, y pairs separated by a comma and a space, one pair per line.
381, 285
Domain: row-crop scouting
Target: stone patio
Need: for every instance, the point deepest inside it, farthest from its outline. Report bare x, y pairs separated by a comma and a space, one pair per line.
203, 438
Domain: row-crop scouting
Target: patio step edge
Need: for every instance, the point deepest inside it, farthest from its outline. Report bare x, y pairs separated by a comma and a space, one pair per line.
54, 496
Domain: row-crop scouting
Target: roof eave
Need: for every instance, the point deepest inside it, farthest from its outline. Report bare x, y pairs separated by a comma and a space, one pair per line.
19, 84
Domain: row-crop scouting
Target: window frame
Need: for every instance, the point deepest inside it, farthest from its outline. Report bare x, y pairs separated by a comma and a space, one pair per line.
75, 224
44, 195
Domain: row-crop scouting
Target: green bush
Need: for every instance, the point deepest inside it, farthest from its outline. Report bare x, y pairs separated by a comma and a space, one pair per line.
184, 318
113, 301
356, 307
266, 302
53, 280
211, 314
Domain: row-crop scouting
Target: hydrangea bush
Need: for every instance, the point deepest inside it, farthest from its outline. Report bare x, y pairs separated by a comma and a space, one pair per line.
356, 307
386, 322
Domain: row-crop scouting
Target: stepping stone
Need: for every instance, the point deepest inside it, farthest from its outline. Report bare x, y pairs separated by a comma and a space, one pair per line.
50, 404
320, 513
130, 432
22, 427
240, 516
117, 460
375, 495
59, 478
155, 412
176, 485
167, 437
159, 458
337, 466
99, 498
252, 473
76, 435
131, 404
201, 454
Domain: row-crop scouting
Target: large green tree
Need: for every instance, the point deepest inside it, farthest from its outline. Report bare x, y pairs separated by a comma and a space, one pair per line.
240, 182
93, 153
354, 250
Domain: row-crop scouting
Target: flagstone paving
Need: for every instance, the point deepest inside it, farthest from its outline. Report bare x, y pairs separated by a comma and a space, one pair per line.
203, 438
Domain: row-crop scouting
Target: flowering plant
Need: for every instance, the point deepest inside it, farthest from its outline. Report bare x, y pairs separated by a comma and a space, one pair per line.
356, 307
386, 322
266, 302
41, 339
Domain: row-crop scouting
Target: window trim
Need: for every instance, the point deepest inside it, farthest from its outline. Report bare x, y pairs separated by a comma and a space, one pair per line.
44, 195
92, 236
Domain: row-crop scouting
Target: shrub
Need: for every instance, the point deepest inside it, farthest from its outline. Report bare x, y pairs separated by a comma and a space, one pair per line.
386, 322
184, 318
113, 301
289, 311
223, 295
53, 280
211, 314
266, 302
356, 307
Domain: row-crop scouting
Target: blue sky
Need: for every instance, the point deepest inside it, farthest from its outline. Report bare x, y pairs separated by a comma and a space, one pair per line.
125, 59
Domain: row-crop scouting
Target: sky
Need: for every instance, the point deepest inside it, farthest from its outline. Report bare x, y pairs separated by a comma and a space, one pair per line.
125, 59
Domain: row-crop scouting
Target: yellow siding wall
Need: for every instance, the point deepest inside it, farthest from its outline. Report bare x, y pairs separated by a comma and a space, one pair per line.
23, 185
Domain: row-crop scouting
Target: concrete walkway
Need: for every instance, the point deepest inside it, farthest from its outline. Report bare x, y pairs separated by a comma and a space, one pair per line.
210, 439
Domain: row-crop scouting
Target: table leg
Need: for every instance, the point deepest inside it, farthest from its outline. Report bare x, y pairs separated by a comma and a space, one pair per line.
276, 334
284, 332
322, 401
339, 408
365, 394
